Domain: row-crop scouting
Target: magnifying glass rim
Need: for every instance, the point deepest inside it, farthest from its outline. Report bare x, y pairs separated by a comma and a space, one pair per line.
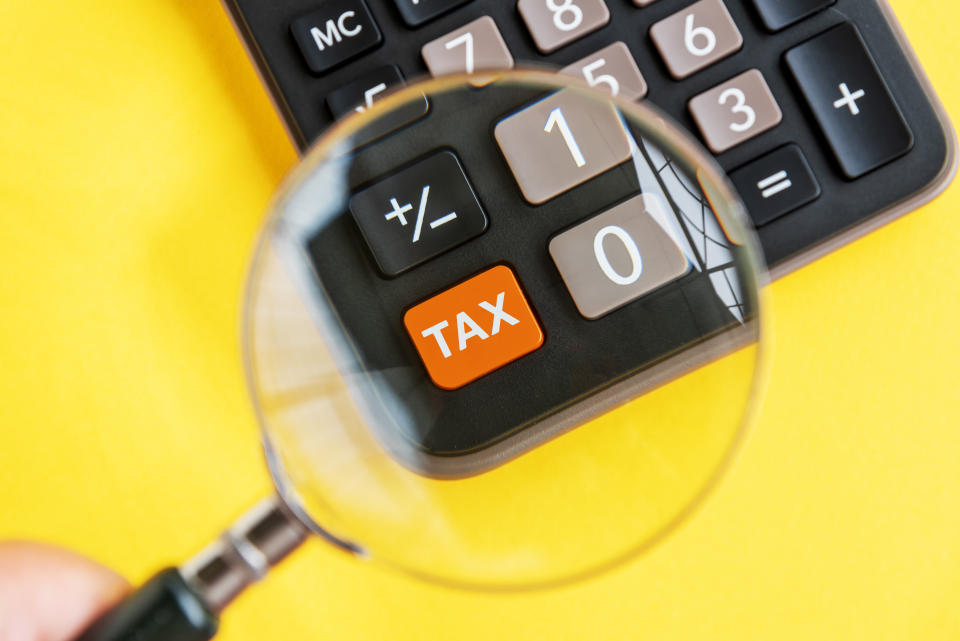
669, 137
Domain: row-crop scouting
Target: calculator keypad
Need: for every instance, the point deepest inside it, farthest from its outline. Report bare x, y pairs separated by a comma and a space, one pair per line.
476, 46
735, 111
560, 142
695, 38
850, 100
473, 328
618, 256
612, 69
341, 30
555, 23
418, 213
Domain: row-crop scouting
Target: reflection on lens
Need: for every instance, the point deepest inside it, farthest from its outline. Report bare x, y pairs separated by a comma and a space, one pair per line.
506, 342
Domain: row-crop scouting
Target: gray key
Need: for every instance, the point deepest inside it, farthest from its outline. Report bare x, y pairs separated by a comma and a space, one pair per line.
561, 141
554, 23
476, 46
612, 69
618, 256
696, 37
736, 111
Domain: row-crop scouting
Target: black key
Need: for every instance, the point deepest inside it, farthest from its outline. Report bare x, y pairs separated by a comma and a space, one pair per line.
780, 14
362, 92
339, 31
850, 100
418, 213
776, 184
416, 12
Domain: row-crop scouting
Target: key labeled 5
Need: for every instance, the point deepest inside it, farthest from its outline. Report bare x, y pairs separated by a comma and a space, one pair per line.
473, 328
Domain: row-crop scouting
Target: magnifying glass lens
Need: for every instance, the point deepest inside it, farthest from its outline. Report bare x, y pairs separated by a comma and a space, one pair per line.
502, 334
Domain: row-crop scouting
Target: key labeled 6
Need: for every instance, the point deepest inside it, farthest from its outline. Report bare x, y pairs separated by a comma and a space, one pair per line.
473, 328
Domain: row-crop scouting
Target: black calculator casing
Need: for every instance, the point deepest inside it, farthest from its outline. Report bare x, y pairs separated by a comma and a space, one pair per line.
843, 211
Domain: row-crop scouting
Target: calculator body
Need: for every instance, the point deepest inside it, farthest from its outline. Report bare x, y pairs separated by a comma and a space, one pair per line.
807, 188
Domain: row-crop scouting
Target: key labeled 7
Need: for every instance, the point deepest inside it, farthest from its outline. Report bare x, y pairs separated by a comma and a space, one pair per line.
473, 328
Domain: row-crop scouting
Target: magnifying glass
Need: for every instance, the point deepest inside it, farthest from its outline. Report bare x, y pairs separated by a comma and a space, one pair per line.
501, 333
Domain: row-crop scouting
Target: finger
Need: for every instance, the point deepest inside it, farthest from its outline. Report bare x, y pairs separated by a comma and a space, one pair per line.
51, 594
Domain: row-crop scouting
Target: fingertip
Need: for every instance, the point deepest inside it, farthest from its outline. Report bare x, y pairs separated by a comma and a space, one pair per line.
48, 593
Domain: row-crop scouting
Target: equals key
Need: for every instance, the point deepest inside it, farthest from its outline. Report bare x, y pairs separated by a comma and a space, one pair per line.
776, 184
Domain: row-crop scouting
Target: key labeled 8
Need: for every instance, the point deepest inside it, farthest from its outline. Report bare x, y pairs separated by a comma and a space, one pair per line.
555, 23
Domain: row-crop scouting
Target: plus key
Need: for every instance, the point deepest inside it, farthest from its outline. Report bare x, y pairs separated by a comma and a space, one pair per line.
850, 100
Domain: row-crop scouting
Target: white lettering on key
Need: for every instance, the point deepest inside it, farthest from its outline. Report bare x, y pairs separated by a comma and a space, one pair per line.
398, 212
463, 319
849, 99
368, 96
437, 332
333, 32
498, 314
342, 23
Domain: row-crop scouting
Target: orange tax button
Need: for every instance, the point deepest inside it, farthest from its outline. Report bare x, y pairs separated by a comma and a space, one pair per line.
473, 328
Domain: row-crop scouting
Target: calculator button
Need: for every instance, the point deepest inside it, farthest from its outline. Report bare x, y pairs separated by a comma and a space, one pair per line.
850, 100
618, 256
473, 328
417, 12
361, 93
776, 184
418, 213
341, 30
476, 46
780, 14
643, 3
696, 37
612, 69
560, 142
735, 111
554, 23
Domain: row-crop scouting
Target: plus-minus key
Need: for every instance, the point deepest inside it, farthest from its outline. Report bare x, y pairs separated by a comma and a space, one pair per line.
850, 100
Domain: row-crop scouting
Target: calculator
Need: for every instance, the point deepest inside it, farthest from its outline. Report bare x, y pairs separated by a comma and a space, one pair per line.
817, 109
468, 264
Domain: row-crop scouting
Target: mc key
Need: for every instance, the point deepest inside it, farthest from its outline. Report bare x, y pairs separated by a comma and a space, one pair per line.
418, 213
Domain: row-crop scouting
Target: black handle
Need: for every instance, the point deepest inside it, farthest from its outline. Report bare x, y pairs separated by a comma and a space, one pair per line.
163, 609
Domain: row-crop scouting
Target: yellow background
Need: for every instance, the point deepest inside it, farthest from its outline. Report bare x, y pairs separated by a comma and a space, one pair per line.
137, 154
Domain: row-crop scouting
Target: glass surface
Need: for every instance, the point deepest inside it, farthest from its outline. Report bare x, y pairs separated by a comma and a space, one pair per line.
506, 340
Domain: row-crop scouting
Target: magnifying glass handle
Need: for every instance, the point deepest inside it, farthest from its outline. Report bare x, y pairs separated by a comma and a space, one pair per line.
183, 604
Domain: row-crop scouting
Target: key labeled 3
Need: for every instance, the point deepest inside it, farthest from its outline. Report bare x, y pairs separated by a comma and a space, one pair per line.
473, 328
618, 256
418, 213
735, 111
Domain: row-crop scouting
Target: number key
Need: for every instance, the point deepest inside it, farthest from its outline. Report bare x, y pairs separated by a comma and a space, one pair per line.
560, 142
554, 23
613, 69
697, 37
476, 46
735, 111
618, 256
